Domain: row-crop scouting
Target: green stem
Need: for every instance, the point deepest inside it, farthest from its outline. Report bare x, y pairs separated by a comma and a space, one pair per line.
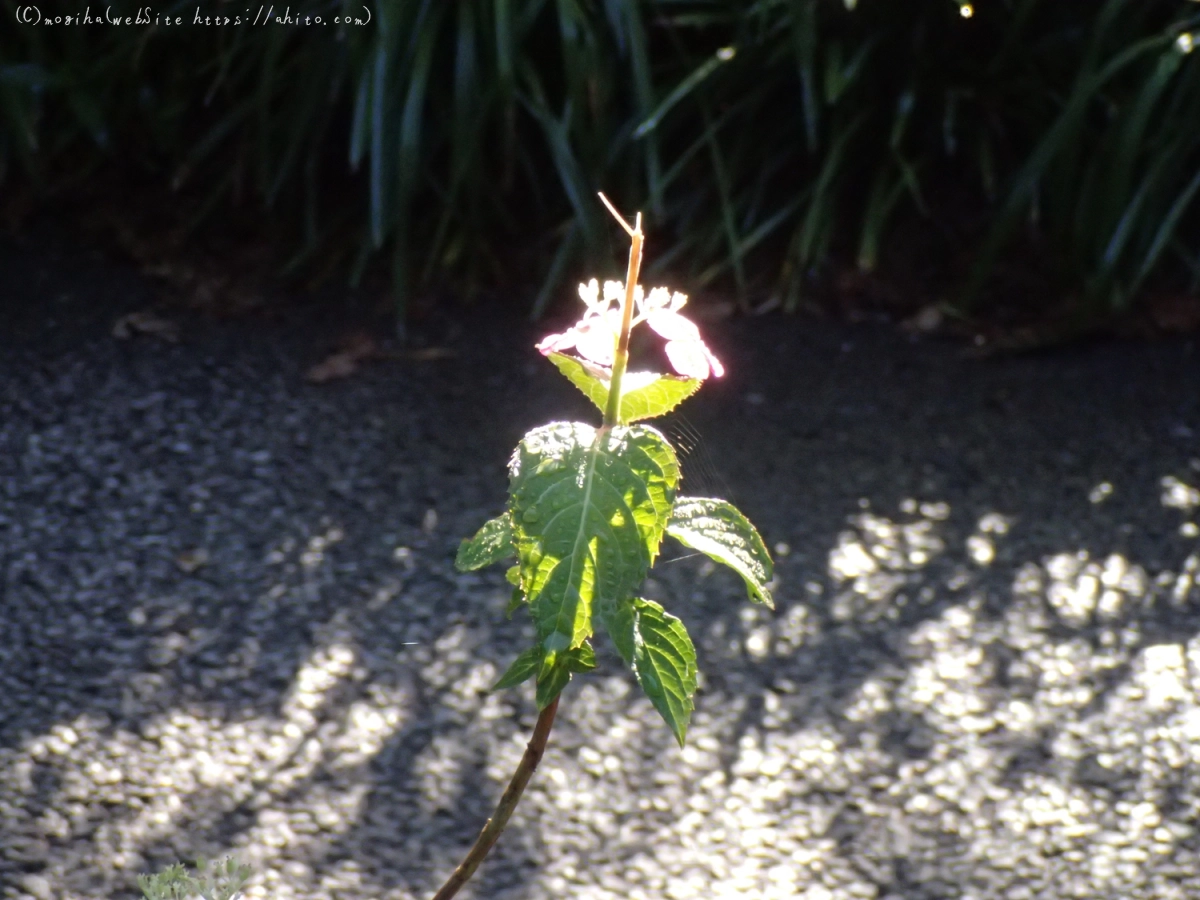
621, 359
504, 809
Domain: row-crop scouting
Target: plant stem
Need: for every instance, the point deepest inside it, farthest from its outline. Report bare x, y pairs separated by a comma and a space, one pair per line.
621, 359
504, 809
541, 731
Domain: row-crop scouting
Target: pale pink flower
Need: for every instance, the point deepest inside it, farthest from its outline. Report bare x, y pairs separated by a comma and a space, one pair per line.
594, 336
688, 353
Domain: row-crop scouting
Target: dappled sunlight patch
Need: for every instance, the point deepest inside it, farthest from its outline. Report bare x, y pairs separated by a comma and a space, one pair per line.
1140, 743
282, 844
981, 546
875, 559
1180, 495
1177, 494
184, 771
439, 769
1042, 769
758, 633
1183, 584
755, 823
947, 683
1037, 712
1053, 816
1082, 590
324, 668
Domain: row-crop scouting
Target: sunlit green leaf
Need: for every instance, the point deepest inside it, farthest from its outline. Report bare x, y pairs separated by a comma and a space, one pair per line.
717, 529
644, 395
589, 509
556, 668
657, 648
515, 601
581, 659
551, 680
553, 670
523, 668
588, 378
491, 544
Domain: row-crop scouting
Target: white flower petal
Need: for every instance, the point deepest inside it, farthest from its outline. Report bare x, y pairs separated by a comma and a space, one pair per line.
672, 325
659, 298
688, 358
717, 369
589, 293
597, 339
557, 343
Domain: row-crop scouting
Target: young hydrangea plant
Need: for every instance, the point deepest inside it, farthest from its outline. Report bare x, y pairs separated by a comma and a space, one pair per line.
588, 509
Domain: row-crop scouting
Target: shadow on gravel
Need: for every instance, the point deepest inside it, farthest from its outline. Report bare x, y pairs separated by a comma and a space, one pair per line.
229, 619
1022, 615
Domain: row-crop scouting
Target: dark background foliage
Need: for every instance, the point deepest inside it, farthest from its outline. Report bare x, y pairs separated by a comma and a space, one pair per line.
771, 144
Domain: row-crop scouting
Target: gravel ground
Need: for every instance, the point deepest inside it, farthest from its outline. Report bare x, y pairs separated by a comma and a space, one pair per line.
229, 619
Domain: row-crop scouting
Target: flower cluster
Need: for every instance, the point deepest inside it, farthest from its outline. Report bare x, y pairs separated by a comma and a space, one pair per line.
594, 337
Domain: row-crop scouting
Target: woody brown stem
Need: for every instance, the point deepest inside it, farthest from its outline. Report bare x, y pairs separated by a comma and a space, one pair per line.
504, 809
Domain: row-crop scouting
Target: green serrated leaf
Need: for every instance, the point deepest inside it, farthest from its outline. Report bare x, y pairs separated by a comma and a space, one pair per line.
657, 648
581, 659
514, 602
650, 458
522, 669
592, 380
546, 666
619, 622
552, 679
717, 529
491, 544
644, 395
553, 670
513, 577
589, 509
